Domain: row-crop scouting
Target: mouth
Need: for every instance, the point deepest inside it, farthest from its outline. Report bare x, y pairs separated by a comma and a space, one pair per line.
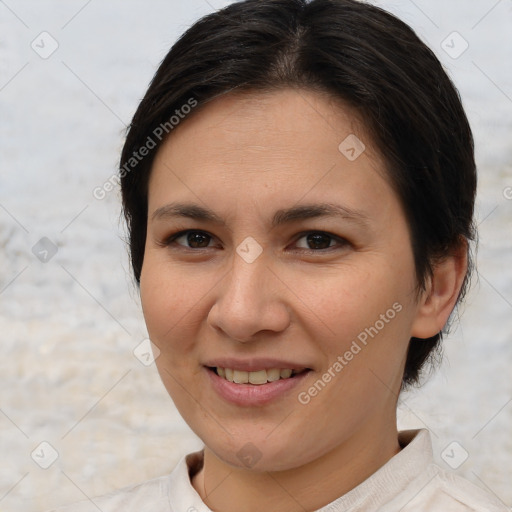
258, 377
258, 384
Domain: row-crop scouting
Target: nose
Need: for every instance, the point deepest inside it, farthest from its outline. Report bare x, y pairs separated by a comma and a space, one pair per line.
250, 299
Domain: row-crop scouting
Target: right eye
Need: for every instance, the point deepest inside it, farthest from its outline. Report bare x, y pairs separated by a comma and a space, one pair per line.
195, 239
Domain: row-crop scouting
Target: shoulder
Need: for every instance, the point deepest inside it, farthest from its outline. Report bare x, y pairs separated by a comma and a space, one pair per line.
443, 490
154, 495
416, 483
150, 496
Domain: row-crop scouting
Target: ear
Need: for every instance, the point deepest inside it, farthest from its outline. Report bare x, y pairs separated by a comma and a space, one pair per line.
438, 300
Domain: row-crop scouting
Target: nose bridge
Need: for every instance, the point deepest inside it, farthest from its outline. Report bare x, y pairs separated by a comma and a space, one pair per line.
249, 267
247, 285
246, 274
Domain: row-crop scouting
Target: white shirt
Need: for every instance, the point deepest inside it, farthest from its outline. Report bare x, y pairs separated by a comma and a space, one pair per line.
408, 482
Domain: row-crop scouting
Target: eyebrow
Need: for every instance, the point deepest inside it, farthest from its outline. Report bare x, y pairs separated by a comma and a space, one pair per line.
281, 217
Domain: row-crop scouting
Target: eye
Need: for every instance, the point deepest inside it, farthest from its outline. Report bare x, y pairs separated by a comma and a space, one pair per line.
317, 241
196, 239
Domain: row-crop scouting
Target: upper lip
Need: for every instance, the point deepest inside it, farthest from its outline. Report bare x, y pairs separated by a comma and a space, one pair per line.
254, 364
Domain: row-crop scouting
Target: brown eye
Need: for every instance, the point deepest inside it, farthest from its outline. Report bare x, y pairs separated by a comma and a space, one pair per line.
194, 239
318, 240
198, 239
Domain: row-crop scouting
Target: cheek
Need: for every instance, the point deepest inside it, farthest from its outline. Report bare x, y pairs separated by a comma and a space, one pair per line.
363, 314
168, 298
344, 300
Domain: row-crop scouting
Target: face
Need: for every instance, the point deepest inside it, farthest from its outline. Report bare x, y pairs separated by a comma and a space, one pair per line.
271, 247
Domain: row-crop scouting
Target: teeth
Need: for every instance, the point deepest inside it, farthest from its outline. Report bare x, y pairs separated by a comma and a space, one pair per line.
240, 377
273, 374
285, 373
258, 377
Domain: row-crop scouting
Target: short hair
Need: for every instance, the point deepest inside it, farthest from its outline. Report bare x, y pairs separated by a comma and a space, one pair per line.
357, 53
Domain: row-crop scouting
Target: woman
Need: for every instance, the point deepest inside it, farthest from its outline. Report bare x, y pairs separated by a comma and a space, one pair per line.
299, 184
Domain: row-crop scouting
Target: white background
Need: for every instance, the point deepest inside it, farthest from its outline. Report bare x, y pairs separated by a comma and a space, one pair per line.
68, 327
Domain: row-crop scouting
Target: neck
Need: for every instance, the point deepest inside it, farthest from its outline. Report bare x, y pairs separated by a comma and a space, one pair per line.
225, 488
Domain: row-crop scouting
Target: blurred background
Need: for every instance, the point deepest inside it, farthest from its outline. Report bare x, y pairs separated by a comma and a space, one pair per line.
81, 410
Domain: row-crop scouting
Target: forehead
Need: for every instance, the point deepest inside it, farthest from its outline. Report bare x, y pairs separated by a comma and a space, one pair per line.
267, 120
282, 144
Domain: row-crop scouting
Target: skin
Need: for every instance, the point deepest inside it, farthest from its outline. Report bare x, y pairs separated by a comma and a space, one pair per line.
245, 156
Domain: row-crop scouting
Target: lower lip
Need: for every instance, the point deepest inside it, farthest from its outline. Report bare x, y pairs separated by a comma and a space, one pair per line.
251, 395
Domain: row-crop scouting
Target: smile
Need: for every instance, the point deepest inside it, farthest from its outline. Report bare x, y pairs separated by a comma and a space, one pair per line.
254, 388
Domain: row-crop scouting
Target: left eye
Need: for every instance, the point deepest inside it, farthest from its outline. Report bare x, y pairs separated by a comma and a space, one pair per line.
313, 240
318, 240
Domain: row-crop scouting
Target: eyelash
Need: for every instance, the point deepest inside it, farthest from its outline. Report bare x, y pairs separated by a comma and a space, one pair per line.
172, 238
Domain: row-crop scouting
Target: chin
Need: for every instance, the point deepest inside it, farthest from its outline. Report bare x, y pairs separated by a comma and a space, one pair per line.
260, 455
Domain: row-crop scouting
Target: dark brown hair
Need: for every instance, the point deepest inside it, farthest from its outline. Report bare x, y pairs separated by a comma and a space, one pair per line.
354, 52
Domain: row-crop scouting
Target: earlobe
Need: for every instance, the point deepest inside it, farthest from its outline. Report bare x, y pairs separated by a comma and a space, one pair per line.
440, 297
